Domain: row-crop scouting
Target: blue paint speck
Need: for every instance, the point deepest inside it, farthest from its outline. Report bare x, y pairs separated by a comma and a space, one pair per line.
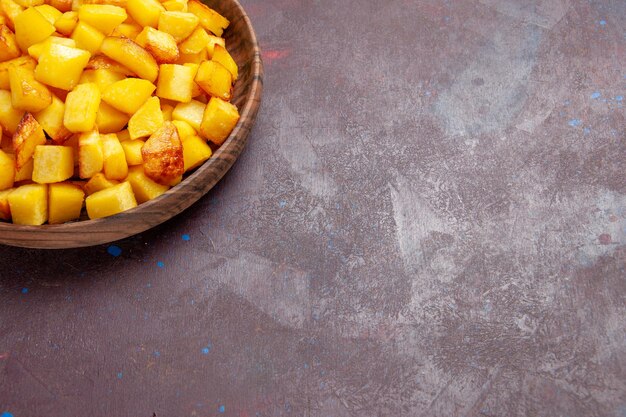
619, 98
160, 264
157, 354
114, 250
24, 290
186, 237
149, 285
586, 131
221, 409
6, 414
574, 122
596, 95
567, 102
282, 204
306, 366
602, 22
120, 375
206, 350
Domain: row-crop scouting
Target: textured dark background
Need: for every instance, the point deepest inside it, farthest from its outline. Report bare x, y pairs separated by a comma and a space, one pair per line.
429, 220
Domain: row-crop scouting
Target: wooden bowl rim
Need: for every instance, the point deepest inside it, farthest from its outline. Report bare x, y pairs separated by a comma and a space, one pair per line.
239, 134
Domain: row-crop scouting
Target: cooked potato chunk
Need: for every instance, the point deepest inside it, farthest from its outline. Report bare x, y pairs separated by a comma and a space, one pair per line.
9, 116
87, 37
176, 82
196, 42
209, 18
220, 118
191, 113
128, 30
61, 66
104, 17
5, 209
25, 173
7, 171
66, 23
221, 55
178, 24
65, 202
175, 5
115, 166
131, 55
109, 119
98, 182
8, 44
128, 95
52, 164
103, 62
145, 12
27, 93
132, 150
184, 129
28, 135
29, 204
195, 152
144, 188
163, 155
215, 79
25, 61
81, 108
146, 120
31, 27
90, 154
11, 10
102, 77
51, 120
161, 45
38, 49
50, 13
110, 201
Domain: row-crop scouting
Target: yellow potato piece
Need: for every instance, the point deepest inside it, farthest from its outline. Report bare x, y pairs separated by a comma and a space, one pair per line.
52, 163
178, 24
81, 108
109, 119
220, 118
28, 135
5, 209
8, 44
90, 154
38, 49
191, 113
25, 173
51, 120
146, 120
221, 55
31, 27
161, 45
167, 110
97, 183
132, 150
195, 42
131, 55
61, 66
184, 128
145, 12
9, 116
215, 79
25, 61
50, 13
176, 82
11, 10
128, 95
27, 93
66, 23
29, 204
163, 155
115, 165
65, 202
195, 152
209, 18
175, 5
110, 201
144, 188
87, 37
7, 170
103, 17
129, 30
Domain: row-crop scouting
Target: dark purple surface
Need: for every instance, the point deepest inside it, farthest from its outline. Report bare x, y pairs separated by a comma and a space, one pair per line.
429, 220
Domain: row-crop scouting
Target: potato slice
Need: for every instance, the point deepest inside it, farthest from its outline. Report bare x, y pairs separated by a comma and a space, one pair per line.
66, 23
24, 61
27, 93
209, 18
221, 55
128, 30
109, 119
146, 120
28, 135
144, 188
7, 170
8, 44
176, 82
103, 62
61, 66
178, 24
61, 5
161, 45
65, 202
38, 49
51, 120
81, 108
5, 209
11, 10
50, 13
31, 27
104, 17
132, 150
52, 164
128, 95
184, 129
195, 42
215, 79
110, 201
175, 5
29, 204
195, 152
87, 37
90, 154
220, 118
163, 155
115, 166
132, 56
98, 183
191, 113
145, 12
25, 173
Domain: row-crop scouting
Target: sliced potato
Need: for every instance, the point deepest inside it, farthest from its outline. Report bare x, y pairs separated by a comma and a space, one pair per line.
29, 134
131, 55
162, 154
161, 45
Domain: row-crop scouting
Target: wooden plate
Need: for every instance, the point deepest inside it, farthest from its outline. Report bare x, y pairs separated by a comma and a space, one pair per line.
242, 44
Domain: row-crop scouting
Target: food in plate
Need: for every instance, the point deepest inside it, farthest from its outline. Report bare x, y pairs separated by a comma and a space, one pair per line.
106, 104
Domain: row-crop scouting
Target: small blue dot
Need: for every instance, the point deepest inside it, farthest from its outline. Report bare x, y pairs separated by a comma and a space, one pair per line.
586, 131
596, 95
6, 414
206, 350
221, 409
574, 122
119, 375
24, 290
282, 204
114, 250
619, 98
602, 22
186, 237
160, 264
157, 353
